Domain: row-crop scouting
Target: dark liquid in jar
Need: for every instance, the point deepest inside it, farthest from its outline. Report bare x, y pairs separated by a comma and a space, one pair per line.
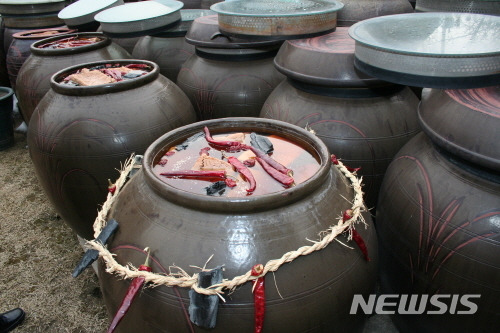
303, 164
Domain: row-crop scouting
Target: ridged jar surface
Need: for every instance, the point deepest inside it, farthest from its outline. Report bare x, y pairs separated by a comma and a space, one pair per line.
364, 130
220, 88
168, 52
184, 230
77, 143
438, 226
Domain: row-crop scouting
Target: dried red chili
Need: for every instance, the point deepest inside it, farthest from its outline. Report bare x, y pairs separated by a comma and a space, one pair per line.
230, 182
335, 161
111, 187
273, 163
259, 298
244, 171
183, 174
250, 162
282, 178
132, 291
226, 145
356, 237
204, 151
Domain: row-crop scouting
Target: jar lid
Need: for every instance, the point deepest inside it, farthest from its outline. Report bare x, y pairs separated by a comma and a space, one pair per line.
26, 7
42, 33
464, 122
324, 60
83, 11
447, 51
491, 7
135, 19
205, 32
359, 10
278, 19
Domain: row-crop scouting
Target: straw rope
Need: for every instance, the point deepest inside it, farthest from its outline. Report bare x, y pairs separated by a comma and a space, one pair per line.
184, 280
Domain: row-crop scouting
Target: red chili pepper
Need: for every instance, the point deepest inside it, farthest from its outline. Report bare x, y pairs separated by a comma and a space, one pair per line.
137, 66
250, 162
356, 236
163, 161
230, 182
273, 163
183, 174
244, 171
282, 178
204, 151
227, 145
169, 153
259, 298
336, 162
111, 187
132, 291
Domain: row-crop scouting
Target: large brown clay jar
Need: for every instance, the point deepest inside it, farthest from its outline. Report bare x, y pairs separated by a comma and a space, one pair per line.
437, 221
33, 80
362, 120
227, 77
186, 229
439, 211
80, 135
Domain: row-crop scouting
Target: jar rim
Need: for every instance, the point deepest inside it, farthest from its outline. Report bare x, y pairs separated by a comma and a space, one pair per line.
289, 131
34, 48
103, 88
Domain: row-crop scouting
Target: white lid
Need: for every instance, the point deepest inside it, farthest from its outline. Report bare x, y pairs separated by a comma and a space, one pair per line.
134, 11
84, 10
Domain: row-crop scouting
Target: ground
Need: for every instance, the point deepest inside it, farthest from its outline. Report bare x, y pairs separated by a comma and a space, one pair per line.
38, 252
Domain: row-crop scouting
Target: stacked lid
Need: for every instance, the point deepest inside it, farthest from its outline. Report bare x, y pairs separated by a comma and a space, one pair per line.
31, 13
82, 12
278, 19
435, 50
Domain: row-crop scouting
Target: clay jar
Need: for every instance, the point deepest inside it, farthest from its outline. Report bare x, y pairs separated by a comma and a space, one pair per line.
186, 228
33, 80
359, 10
80, 135
362, 120
438, 212
6, 123
169, 49
227, 77
19, 49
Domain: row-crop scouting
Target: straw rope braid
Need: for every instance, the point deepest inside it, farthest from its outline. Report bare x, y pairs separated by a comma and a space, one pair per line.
184, 280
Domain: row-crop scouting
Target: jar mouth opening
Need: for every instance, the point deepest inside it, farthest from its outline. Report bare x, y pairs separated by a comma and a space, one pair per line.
80, 90
297, 135
103, 41
5, 93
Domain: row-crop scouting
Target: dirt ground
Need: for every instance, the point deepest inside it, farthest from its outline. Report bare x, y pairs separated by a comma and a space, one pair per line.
38, 252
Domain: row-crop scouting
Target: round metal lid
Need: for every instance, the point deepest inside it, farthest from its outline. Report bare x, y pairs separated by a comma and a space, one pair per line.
279, 19
491, 7
324, 60
187, 18
83, 11
435, 50
136, 19
205, 32
26, 7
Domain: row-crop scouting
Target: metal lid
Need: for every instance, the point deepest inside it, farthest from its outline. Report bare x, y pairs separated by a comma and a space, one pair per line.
83, 11
205, 32
324, 60
359, 10
26, 7
278, 19
437, 50
136, 19
491, 7
464, 122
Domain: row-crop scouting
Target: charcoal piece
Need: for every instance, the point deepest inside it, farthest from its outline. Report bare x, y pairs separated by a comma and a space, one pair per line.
133, 74
216, 188
262, 143
97, 67
203, 308
186, 143
91, 255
